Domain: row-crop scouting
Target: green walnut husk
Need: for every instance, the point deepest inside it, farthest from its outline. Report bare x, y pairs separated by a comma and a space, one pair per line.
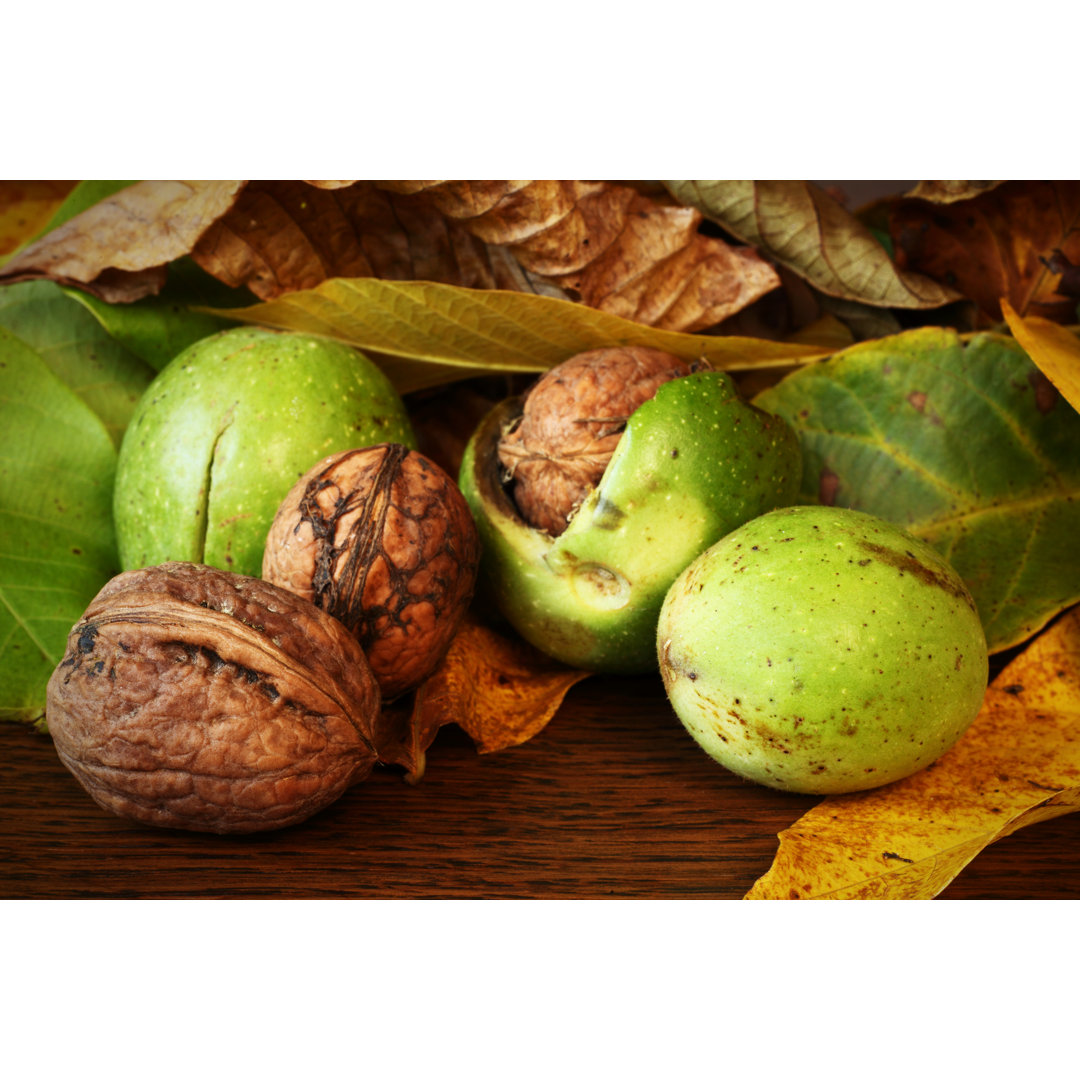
822, 651
694, 462
225, 430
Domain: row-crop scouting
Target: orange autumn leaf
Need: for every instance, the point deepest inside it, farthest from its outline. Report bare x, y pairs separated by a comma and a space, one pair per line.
1019, 763
1052, 348
499, 690
1004, 242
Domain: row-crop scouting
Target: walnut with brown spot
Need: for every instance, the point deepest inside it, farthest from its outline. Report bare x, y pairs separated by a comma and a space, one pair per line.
382, 539
570, 425
194, 698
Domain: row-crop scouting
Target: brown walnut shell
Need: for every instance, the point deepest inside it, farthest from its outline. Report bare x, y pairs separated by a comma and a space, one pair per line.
570, 425
194, 698
383, 540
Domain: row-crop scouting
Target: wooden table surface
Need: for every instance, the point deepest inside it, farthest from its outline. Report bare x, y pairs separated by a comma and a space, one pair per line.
612, 799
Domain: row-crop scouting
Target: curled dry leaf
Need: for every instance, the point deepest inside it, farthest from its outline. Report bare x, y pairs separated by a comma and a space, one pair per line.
1053, 348
998, 244
606, 244
610, 246
499, 690
1018, 763
804, 228
286, 235
119, 248
950, 191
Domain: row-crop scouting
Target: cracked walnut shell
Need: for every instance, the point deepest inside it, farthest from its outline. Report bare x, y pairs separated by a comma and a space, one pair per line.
570, 425
382, 539
194, 698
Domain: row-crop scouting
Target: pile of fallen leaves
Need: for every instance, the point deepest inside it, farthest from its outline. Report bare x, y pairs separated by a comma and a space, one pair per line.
896, 338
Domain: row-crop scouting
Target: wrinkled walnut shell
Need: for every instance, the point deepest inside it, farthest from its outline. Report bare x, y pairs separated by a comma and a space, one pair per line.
194, 698
382, 539
570, 425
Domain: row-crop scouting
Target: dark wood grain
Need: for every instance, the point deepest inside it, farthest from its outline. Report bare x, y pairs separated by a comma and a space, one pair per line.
611, 800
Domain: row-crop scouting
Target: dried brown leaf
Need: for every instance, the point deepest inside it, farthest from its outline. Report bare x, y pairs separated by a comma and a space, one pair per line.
499, 690
286, 235
445, 419
950, 191
612, 247
119, 248
1001, 243
1017, 764
805, 229
605, 244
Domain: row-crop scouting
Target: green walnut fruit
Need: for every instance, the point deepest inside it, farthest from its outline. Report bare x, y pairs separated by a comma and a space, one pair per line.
822, 651
227, 428
694, 462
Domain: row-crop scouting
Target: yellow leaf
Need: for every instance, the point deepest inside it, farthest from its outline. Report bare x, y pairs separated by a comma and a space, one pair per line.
1052, 348
1019, 763
429, 334
499, 690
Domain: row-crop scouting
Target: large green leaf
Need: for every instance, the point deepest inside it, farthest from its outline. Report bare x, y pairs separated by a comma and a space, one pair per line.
967, 446
78, 350
158, 328
429, 333
57, 546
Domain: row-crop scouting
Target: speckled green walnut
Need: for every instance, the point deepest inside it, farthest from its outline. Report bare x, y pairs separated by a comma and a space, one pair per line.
694, 462
822, 651
227, 428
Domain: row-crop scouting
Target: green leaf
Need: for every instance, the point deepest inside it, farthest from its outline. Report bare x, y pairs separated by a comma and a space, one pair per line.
158, 328
807, 230
57, 546
967, 446
78, 350
428, 334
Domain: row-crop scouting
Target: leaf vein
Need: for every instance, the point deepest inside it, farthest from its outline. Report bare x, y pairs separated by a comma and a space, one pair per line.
25, 627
